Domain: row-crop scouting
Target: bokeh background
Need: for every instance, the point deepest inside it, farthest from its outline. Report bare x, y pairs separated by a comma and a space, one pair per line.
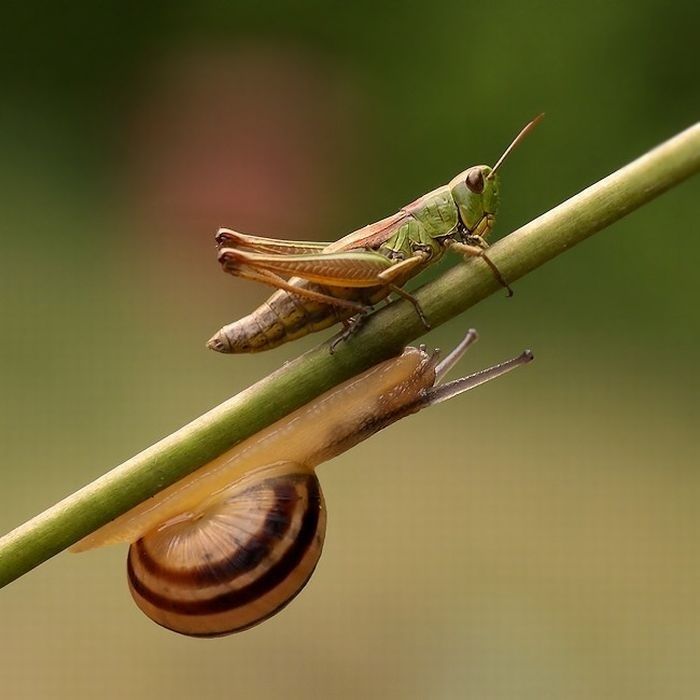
537, 538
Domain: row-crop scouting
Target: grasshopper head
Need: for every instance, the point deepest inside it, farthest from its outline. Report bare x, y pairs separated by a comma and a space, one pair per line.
475, 192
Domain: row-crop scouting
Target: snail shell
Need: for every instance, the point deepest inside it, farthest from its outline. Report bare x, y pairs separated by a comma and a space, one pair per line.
237, 559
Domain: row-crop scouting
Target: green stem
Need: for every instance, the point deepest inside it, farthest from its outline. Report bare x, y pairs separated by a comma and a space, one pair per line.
384, 335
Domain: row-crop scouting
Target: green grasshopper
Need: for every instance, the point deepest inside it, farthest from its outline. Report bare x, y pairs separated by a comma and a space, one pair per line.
320, 284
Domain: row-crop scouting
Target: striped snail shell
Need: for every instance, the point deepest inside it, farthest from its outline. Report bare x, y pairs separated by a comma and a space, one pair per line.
236, 559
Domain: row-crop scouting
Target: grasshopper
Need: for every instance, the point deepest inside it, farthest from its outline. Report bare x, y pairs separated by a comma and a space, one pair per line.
320, 284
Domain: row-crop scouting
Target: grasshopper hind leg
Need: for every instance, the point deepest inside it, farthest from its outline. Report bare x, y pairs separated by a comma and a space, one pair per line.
354, 323
350, 327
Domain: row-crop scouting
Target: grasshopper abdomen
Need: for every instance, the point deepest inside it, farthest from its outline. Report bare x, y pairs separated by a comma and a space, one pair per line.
284, 317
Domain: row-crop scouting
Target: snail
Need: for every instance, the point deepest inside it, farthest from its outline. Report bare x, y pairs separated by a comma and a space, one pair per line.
232, 543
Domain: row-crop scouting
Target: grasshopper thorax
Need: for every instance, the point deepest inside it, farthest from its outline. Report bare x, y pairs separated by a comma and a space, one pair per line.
475, 193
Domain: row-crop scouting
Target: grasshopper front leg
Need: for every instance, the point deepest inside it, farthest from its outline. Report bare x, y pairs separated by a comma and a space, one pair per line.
475, 249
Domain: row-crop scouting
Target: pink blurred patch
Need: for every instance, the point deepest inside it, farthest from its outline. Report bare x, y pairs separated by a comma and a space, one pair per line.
253, 137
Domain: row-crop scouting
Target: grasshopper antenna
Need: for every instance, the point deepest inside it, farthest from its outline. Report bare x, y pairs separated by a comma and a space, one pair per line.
516, 141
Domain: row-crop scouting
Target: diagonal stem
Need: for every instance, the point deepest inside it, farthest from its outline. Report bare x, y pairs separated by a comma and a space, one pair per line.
383, 335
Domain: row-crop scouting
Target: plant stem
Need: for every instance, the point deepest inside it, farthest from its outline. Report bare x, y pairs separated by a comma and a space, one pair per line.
383, 335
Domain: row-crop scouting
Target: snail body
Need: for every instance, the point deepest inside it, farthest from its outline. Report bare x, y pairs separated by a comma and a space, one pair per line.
232, 543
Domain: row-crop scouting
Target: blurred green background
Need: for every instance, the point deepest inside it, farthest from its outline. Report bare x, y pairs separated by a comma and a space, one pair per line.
537, 538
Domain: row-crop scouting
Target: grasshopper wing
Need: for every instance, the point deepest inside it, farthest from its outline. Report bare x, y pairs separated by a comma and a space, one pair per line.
371, 236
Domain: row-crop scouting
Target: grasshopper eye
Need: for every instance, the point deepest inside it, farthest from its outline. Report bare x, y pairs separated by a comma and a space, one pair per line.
475, 180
